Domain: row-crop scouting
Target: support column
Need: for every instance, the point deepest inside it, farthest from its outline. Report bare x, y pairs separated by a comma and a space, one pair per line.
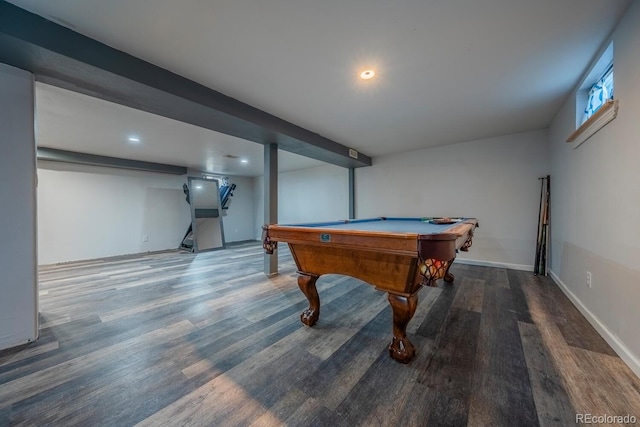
271, 201
18, 251
352, 193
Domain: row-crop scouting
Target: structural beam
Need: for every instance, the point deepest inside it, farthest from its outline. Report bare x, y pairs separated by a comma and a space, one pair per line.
61, 57
55, 155
352, 193
271, 201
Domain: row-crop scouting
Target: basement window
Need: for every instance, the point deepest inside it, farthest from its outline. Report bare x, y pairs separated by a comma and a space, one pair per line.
595, 103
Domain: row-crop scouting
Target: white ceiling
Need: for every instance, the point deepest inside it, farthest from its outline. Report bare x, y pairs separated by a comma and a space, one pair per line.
75, 122
447, 71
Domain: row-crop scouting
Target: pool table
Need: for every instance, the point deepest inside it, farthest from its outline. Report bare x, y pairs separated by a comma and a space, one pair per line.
396, 255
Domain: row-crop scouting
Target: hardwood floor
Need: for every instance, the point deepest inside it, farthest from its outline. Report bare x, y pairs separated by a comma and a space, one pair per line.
208, 340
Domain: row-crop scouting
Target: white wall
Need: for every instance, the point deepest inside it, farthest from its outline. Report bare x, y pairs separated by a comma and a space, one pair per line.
18, 279
239, 221
494, 180
88, 212
595, 211
308, 195
316, 194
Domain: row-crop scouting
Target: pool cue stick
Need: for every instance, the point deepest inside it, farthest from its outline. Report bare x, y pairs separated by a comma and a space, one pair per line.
546, 226
539, 232
542, 240
543, 246
542, 269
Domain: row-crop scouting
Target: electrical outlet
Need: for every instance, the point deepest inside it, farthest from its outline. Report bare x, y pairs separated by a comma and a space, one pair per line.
145, 238
589, 283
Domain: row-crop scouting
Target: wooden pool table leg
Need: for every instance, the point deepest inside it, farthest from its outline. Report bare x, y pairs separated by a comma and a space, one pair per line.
448, 277
401, 349
307, 285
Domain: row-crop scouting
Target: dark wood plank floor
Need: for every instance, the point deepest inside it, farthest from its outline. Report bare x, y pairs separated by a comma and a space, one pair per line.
207, 340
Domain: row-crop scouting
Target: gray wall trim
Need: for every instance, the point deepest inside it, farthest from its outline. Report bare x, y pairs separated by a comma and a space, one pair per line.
59, 56
271, 201
55, 155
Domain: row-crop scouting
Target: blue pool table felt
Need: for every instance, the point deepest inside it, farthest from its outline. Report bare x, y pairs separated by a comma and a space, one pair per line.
391, 225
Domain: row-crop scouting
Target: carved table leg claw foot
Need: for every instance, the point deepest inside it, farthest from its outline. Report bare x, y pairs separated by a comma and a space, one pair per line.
307, 285
401, 349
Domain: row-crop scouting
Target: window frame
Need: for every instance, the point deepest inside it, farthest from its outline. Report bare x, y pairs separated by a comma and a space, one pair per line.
587, 127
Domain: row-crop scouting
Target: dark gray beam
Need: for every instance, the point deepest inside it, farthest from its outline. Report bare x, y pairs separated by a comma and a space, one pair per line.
352, 193
59, 56
271, 201
55, 155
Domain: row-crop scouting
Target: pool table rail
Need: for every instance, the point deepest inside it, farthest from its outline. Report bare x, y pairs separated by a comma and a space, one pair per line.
401, 243
392, 242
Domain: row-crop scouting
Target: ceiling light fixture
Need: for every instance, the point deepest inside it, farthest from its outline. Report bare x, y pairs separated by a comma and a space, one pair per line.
244, 161
367, 74
134, 139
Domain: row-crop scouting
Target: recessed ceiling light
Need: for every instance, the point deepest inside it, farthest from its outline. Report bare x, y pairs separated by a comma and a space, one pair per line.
367, 74
244, 161
134, 139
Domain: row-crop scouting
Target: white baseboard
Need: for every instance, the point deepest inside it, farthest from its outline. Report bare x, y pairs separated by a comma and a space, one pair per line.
522, 267
618, 346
